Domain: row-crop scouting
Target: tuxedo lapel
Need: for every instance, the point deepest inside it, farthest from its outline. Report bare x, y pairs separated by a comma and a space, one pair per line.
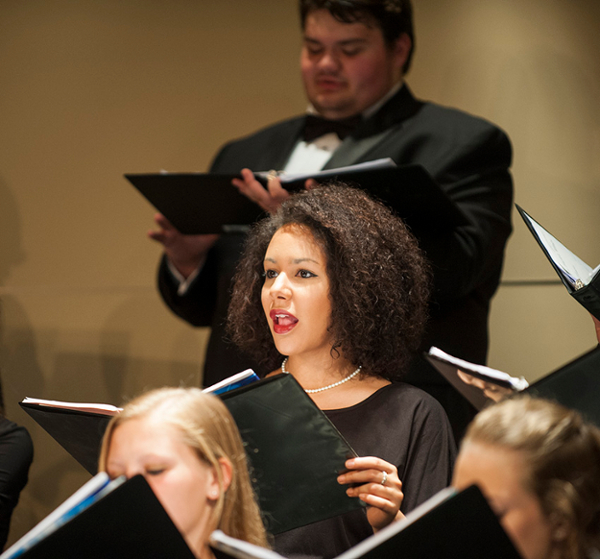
374, 131
355, 150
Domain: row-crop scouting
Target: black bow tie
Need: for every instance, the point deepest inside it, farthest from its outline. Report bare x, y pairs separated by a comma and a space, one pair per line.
317, 126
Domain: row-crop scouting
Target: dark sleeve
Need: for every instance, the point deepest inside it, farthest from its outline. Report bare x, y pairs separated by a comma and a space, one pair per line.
16, 454
430, 456
200, 304
207, 299
476, 177
197, 304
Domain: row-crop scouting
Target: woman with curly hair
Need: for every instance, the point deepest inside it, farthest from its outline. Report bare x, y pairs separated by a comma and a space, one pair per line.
538, 464
333, 289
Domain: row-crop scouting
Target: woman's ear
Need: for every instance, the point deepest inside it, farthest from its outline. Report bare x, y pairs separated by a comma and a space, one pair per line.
214, 490
226, 472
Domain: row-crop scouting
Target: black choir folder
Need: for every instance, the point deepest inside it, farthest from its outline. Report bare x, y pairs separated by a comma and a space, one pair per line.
581, 281
575, 385
447, 526
79, 427
116, 520
450, 368
79, 431
295, 453
198, 203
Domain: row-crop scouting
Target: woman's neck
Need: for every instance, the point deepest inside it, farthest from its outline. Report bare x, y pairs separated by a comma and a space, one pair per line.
197, 538
316, 371
320, 372
204, 552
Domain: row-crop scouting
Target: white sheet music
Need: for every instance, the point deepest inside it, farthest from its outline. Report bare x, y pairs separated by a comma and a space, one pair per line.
384, 163
572, 267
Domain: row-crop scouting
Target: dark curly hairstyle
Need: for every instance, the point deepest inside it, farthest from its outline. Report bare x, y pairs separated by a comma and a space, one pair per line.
379, 280
393, 17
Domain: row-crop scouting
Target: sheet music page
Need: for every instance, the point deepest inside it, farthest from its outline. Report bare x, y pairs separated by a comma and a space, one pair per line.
571, 265
104, 409
384, 163
486, 373
234, 381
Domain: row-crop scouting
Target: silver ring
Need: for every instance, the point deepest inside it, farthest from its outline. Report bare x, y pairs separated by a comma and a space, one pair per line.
384, 478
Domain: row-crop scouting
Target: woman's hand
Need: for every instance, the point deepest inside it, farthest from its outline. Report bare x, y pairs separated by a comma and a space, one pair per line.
377, 484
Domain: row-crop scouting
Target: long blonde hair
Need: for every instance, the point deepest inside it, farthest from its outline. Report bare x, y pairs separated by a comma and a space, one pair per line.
207, 427
562, 453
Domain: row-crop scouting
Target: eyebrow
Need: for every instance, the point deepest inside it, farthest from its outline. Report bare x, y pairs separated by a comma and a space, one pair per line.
343, 42
295, 261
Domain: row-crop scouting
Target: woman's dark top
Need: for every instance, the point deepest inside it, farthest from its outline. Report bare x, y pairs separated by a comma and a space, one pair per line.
404, 426
16, 454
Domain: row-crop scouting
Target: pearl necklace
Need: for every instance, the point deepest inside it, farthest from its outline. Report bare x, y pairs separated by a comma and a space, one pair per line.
315, 390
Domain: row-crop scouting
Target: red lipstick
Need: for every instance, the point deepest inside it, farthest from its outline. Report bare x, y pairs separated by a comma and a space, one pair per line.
283, 321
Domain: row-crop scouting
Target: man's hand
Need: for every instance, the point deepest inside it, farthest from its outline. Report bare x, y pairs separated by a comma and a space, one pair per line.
185, 252
269, 199
489, 389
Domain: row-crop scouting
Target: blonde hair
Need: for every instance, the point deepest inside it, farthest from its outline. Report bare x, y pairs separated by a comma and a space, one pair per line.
563, 456
207, 427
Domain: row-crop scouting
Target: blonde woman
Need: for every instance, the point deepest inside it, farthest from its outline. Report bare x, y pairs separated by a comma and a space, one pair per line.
538, 464
187, 446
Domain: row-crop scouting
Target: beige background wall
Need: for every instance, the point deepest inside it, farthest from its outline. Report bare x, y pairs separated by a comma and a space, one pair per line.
91, 90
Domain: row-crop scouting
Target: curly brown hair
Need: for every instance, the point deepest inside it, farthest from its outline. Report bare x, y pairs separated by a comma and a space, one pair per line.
379, 280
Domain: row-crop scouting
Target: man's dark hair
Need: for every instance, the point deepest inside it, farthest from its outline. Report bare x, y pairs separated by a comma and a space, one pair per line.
393, 17
378, 280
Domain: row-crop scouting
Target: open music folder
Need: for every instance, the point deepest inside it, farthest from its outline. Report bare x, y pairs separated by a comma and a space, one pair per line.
79, 427
294, 451
575, 385
450, 367
582, 282
120, 520
447, 526
198, 203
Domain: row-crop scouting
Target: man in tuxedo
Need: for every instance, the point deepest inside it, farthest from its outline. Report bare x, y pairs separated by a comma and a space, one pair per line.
355, 55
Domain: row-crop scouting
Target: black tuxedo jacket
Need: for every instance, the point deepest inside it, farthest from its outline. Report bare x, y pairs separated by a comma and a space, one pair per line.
469, 157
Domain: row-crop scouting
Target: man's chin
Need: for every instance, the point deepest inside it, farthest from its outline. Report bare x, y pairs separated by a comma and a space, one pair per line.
334, 109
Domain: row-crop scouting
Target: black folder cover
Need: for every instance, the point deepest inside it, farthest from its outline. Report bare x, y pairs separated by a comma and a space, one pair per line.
128, 523
575, 385
295, 453
587, 295
79, 433
462, 525
198, 203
